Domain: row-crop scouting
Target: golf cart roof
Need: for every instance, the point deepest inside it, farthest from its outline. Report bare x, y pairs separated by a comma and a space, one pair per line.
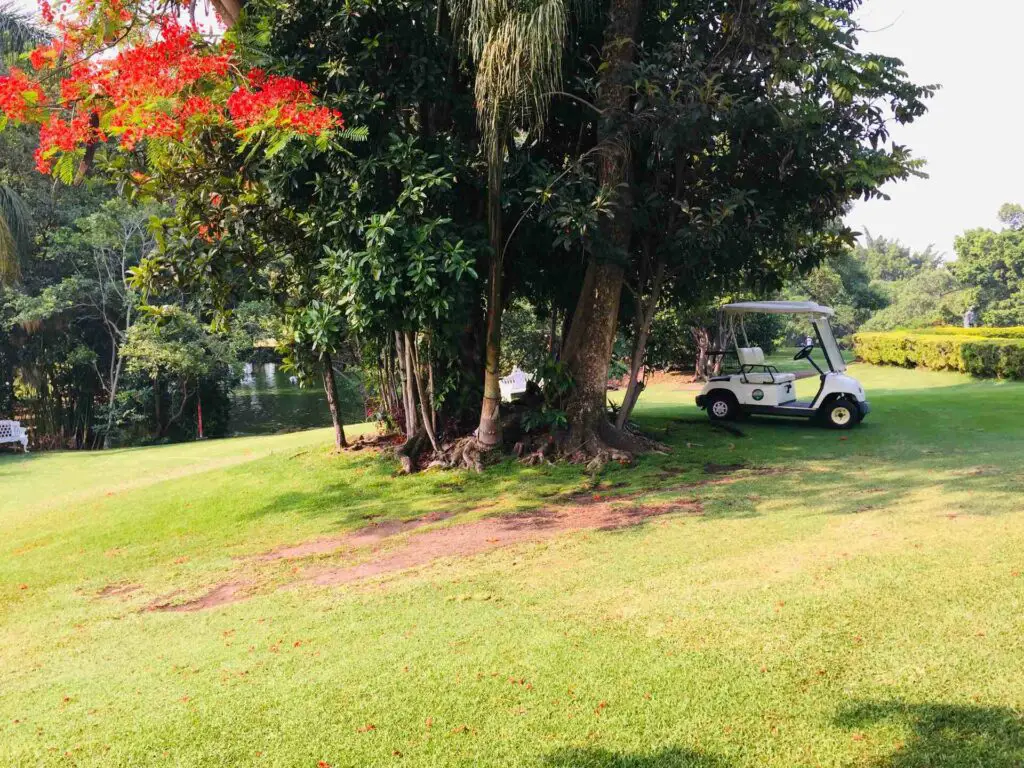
778, 308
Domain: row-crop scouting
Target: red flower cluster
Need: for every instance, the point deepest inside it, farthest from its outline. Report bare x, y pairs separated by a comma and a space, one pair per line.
19, 95
282, 102
165, 81
57, 135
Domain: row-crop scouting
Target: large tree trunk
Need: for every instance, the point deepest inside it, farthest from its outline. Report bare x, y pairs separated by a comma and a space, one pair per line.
331, 390
594, 324
489, 431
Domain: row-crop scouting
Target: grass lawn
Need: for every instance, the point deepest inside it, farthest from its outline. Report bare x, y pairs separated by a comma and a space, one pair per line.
844, 599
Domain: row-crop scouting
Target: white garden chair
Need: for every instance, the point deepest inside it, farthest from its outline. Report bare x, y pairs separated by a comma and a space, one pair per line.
13, 432
514, 384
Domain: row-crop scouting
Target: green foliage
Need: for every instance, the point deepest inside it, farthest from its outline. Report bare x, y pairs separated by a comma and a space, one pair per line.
977, 355
556, 385
1012, 216
991, 264
930, 297
525, 337
842, 282
989, 332
171, 341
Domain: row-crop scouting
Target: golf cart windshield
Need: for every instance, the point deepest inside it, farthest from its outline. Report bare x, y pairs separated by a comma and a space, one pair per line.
819, 319
833, 355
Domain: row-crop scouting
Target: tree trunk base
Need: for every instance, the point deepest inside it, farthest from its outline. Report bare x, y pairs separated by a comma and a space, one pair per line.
598, 444
408, 452
466, 453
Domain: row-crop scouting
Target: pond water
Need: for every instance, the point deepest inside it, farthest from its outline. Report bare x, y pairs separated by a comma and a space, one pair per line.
268, 400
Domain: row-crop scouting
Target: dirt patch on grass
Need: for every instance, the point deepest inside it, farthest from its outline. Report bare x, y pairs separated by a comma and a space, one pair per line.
722, 469
374, 533
377, 554
222, 594
119, 589
492, 533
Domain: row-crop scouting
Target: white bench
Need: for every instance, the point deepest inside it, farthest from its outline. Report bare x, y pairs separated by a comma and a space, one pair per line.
514, 384
13, 432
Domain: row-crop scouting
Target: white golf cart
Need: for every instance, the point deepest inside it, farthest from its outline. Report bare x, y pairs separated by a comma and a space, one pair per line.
758, 388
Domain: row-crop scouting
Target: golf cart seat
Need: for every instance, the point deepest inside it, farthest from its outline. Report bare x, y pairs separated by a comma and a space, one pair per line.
753, 358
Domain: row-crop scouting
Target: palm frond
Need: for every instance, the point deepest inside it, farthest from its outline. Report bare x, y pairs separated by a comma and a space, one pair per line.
517, 46
18, 31
15, 234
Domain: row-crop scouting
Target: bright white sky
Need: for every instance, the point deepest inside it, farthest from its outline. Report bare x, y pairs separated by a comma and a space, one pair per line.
971, 136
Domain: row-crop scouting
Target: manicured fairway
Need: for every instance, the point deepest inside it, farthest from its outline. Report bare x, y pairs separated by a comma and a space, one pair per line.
818, 598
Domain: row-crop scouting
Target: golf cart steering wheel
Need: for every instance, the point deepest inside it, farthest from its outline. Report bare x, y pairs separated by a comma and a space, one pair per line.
804, 352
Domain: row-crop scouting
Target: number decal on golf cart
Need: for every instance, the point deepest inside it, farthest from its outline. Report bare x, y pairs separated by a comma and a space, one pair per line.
758, 394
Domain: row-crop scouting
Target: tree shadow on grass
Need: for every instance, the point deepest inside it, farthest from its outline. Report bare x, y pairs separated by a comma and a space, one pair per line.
941, 735
670, 757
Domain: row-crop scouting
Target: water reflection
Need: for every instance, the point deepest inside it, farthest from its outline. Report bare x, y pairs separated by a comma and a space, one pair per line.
268, 400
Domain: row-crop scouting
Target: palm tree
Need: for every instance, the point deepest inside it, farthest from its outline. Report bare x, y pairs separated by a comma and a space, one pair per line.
15, 236
17, 33
517, 47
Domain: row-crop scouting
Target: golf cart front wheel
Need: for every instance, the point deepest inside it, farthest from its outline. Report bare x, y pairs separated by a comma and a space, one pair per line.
722, 407
841, 414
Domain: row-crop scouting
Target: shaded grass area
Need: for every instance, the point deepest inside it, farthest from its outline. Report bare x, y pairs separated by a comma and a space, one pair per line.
860, 605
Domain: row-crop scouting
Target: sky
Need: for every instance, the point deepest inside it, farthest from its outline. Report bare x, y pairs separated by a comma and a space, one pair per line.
972, 134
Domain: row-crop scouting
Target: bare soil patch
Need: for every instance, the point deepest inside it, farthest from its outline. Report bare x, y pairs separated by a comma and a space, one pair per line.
590, 511
503, 531
222, 594
374, 533
119, 589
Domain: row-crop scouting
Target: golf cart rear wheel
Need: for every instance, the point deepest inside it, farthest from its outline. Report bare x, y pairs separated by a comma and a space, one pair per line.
840, 414
722, 406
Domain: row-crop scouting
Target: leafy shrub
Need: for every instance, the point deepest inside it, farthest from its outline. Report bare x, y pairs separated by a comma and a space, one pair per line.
556, 385
1013, 332
976, 355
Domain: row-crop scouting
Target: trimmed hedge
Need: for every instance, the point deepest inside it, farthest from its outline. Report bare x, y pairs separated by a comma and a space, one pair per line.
976, 355
1014, 332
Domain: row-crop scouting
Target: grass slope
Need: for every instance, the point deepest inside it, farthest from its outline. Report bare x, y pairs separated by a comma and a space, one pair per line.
861, 607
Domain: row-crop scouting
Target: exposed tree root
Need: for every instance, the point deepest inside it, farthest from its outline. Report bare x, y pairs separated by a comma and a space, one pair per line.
408, 452
466, 453
597, 446
540, 454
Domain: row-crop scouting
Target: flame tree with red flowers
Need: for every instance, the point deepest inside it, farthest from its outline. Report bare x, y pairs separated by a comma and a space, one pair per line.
113, 76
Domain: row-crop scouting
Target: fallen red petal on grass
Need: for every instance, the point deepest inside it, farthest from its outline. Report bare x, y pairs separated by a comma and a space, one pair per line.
323, 764
858, 737
366, 728
460, 729
23, 586
601, 706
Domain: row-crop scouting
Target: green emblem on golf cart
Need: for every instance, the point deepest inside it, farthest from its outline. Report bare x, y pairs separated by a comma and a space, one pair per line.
758, 394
